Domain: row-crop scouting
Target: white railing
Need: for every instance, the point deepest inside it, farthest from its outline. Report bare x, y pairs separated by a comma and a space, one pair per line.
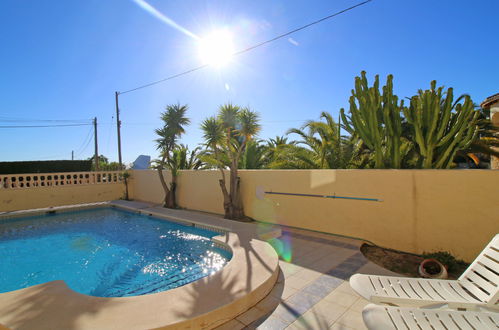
37, 180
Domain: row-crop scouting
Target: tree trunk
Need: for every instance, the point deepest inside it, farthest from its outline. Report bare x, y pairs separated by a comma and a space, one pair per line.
238, 210
126, 189
171, 199
163, 183
227, 203
235, 209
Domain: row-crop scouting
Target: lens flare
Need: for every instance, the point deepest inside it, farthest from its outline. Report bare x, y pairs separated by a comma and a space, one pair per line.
156, 13
217, 48
282, 246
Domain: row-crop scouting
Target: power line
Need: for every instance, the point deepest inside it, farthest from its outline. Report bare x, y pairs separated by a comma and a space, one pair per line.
197, 123
87, 137
251, 48
81, 150
39, 126
19, 120
302, 27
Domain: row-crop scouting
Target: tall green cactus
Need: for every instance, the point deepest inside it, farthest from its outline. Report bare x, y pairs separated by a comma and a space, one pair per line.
441, 126
376, 119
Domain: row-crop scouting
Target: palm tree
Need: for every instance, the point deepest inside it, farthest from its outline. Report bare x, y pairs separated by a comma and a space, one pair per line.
174, 121
325, 147
292, 156
273, 146
226, 138
255, 156
183, 159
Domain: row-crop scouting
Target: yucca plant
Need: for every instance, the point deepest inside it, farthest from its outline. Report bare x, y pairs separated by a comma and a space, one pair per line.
226, 138
174, 120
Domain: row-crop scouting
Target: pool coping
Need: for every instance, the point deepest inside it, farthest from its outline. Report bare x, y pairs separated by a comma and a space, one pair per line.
206, 303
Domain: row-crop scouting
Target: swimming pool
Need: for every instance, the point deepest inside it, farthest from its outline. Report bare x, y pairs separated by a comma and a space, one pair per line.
105, 252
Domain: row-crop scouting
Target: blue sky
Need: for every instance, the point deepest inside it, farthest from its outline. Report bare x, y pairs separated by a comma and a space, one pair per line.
63, 60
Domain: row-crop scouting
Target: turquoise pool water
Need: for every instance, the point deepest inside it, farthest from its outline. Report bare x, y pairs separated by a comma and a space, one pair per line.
105, 252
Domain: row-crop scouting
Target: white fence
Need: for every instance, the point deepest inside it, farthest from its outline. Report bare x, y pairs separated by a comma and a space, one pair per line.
36, 180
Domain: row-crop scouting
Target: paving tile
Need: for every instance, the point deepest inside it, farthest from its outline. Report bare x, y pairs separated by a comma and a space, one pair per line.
298, 282
269, 323
359, 305
312, 291
329, 281
287, 313
373, 269
355, 261
231, 325
313, 257
339, 273
309, 322
341, 298
352, 319
268, 304
251, 315
347, 268
308, 275
337, 326
301, 302
317, 289
289, 269
321, 316
284, 293
323, 264
345, 287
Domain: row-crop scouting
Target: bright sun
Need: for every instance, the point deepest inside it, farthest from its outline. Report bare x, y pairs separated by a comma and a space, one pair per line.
217, 48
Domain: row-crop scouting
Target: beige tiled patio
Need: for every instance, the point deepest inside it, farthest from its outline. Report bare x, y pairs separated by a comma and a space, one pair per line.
313, 291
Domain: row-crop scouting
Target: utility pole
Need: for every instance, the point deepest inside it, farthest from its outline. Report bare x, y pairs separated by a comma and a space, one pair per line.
72, 155
96, 156
118, 125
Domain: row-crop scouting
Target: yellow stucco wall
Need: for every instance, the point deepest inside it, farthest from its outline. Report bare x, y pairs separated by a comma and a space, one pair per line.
38, 197
197, 190
421, 210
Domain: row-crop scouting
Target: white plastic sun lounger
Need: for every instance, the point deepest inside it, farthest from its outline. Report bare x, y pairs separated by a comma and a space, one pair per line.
478, 286
379, 317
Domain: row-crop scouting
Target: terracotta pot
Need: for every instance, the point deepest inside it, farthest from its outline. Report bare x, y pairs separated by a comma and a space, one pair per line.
431, 268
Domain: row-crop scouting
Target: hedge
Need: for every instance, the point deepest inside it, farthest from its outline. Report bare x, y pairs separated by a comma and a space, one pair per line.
47, 166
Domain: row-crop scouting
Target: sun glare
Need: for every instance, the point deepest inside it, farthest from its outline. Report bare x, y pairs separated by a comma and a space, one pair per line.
217, 48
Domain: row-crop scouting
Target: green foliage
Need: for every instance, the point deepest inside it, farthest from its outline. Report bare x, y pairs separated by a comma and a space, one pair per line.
291, 156
226, 138
183, 159
427, 134
440, 125
229, 133
487, 138
447, 259
321, 146
254, 157
174, 119
375, 118
45, 166
105, 165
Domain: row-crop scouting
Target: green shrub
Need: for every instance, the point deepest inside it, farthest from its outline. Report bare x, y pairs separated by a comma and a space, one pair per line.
45, 166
